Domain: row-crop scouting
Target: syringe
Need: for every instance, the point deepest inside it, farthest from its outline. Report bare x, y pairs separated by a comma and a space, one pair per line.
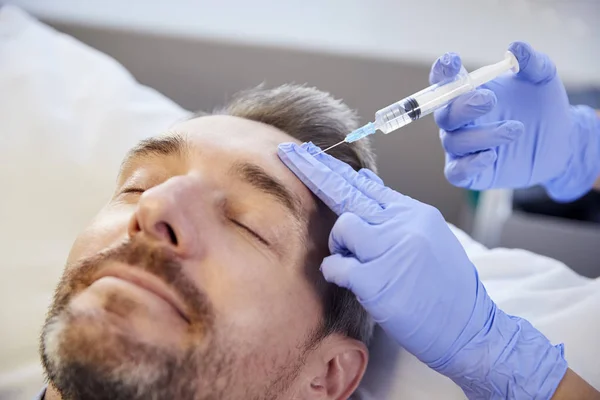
428, 100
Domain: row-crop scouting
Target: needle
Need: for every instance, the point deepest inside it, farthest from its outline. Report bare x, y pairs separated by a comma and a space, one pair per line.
329, 148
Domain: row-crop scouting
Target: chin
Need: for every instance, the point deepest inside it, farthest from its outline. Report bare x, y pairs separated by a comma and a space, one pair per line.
92, 338
86, 357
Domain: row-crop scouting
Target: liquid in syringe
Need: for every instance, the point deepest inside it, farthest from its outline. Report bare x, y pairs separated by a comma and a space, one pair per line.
432, 98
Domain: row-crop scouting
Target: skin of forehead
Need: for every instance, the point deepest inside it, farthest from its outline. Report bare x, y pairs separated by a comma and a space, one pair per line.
254, 141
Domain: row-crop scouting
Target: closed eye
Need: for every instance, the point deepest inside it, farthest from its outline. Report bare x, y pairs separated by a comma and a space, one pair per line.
256, 235
133, 190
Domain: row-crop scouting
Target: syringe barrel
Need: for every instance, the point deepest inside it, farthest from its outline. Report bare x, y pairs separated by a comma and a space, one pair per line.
439, 95
422, 103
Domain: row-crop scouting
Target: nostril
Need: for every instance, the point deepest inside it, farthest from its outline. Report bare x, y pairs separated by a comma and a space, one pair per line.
164, 232
172, 235
134, 226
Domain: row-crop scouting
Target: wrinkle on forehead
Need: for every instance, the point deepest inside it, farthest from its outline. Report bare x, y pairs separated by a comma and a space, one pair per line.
227, 140
253, 141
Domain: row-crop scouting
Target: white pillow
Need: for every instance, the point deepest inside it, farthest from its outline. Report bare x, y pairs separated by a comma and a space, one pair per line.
68, 115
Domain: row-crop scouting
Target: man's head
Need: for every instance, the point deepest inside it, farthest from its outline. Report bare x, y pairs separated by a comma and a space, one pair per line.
200, 278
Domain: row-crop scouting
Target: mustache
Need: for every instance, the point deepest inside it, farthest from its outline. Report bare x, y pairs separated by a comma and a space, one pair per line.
137, 254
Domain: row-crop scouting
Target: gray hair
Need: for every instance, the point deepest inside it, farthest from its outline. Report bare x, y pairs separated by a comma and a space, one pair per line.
308, 114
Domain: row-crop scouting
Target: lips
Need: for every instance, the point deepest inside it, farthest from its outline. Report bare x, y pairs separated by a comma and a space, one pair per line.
147, 282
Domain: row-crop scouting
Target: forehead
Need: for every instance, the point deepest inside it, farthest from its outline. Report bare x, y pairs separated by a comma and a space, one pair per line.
224, 139
224, 132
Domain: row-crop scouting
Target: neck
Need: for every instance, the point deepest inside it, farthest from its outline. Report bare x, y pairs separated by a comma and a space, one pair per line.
52, 393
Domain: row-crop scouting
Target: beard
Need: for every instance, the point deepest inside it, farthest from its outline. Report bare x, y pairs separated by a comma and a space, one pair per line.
88, 356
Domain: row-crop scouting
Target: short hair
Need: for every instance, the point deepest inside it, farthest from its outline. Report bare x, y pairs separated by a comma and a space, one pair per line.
308, 114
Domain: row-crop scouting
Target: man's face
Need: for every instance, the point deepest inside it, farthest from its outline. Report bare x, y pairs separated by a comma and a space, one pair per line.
195, 280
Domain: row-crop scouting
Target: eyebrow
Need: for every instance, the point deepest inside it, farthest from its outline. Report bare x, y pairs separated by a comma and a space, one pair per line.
256, 176
165, 145
266, 183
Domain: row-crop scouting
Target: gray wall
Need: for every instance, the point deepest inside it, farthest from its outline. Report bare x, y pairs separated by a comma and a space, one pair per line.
201, 74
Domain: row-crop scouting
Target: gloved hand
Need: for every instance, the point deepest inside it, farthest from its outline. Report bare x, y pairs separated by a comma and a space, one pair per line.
412, 275
518, 131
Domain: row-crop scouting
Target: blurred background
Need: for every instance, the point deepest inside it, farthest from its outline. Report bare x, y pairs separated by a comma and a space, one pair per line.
370, 53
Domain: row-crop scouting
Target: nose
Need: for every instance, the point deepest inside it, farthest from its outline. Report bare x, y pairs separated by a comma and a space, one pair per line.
162, 216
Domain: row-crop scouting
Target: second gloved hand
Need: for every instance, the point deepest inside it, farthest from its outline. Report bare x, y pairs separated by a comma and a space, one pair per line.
412, 275
519, 130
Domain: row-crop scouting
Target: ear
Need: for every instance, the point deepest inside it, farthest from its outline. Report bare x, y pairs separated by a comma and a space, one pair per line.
338, 366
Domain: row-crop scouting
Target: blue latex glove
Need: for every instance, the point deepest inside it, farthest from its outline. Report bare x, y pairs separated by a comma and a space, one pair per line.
411, 274
519, 130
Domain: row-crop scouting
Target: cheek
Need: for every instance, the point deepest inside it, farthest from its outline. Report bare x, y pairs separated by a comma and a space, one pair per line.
255, 296
108, 228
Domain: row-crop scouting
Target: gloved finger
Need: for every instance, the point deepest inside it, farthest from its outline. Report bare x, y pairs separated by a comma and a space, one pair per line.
461, 171
373, 190
534, 66
342, 168
386, 195
339, 269
353, 236
339, 195
476, 138
465, 109
445, 67
367, 173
